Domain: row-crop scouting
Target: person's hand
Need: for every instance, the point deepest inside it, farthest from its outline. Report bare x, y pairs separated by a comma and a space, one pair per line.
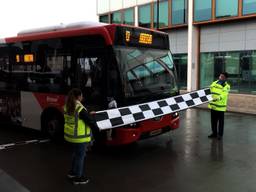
92, 113
215, 98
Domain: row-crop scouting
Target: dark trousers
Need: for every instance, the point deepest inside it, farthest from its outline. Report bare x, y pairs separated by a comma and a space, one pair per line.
78, 156
217, 121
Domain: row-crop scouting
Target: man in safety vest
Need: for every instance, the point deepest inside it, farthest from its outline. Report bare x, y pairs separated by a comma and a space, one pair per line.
219, 90
77, 131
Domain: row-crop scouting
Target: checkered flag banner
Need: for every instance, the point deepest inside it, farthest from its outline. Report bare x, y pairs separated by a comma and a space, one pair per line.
126, 115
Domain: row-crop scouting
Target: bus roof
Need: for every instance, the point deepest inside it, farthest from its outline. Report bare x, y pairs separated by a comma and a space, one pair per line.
74, 29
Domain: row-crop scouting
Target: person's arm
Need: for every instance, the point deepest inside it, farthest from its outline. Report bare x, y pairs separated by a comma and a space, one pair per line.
225, 92
86, 117
215, 96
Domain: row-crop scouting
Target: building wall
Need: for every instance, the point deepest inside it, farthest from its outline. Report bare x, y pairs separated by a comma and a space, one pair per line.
140, 2
238, 103
237, 36
103, 6
229, 37
129, 3
178, 41
116, 5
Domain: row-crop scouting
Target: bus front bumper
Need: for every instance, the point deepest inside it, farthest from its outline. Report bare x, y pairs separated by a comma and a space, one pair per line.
144, 129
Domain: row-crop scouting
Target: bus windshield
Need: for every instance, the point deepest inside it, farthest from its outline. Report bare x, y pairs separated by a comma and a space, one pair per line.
146, 71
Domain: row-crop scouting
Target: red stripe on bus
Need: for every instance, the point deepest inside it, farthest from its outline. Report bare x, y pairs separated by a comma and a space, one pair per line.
64, 33
50, 100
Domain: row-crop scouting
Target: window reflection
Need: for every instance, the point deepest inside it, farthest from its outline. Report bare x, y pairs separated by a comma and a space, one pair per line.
163, 14
249, 7
180, 61
179, 12
168, 60
147, 71
202, 10
129, 16
241, 66
116, 17
141, 72
145, 16
154, 67
104, 18
147, 76
226, 8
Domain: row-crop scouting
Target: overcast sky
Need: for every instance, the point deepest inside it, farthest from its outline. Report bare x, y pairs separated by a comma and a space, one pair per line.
17, 15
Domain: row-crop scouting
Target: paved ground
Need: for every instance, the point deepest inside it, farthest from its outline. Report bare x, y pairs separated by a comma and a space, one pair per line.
184, 160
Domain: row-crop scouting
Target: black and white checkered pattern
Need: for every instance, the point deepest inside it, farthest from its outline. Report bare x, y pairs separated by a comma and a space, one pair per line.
126, 115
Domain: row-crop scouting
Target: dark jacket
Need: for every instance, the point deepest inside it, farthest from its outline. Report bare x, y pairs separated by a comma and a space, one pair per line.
86, 117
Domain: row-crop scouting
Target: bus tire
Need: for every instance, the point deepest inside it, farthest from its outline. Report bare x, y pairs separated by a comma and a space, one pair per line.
53, 124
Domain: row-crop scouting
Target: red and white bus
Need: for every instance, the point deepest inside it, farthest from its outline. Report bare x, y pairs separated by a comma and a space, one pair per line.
107, 62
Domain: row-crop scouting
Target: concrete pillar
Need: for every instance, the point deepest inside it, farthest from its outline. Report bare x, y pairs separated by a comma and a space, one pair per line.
193, 50
136, 16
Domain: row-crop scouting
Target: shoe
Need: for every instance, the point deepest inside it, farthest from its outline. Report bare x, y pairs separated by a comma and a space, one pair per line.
212, 136
219, 137
70, 175
80, 180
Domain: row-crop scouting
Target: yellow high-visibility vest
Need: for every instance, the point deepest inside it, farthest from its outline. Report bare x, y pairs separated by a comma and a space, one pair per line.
220, 96
75, 130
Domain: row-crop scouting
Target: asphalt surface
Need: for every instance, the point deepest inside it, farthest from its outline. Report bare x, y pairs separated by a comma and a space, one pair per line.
183, 160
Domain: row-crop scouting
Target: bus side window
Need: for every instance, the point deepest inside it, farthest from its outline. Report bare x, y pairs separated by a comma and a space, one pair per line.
52, 70
91, 78
67, 73
4, 71
86, 72
22, 61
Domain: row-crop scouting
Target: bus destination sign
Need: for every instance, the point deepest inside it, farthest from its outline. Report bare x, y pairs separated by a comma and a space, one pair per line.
144, 38
132, 36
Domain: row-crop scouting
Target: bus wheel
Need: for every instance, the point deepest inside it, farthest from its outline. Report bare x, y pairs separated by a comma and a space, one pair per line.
52, 126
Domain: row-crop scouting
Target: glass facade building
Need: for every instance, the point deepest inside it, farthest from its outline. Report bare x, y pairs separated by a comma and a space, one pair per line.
116, 17
249, 7
104, 19
129, 16
202, 10
226, 8
180, 61
240, 65
163, 14
145, 16
179, 12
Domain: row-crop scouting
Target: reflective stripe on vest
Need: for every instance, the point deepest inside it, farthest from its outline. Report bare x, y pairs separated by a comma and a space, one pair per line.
219, 93
75, 130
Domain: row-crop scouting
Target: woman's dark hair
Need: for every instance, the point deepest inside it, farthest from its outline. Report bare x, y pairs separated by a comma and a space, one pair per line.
71, 100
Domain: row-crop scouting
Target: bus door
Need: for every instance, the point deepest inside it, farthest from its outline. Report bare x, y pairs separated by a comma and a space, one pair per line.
99, 77
91, 78
115, 86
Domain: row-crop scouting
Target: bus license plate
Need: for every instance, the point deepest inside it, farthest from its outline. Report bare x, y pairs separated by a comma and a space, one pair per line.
155, 132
